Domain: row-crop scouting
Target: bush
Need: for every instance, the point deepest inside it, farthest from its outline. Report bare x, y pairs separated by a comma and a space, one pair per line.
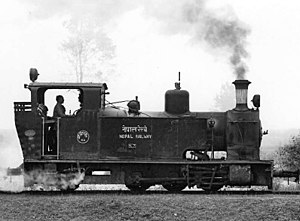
288, 156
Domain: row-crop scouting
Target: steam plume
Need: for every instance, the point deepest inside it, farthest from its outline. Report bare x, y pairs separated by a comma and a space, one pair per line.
11, 181
40, 180
217, 28
231, 36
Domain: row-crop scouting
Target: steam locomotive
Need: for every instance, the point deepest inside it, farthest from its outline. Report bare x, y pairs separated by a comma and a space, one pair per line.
176, 148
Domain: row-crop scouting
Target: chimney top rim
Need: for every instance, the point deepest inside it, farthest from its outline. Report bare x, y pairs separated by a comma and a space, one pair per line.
241, 82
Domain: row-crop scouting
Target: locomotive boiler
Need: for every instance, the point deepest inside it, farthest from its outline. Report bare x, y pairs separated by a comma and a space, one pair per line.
176, 148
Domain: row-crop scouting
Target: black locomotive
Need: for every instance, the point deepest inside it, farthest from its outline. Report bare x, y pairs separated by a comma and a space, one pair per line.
176, 148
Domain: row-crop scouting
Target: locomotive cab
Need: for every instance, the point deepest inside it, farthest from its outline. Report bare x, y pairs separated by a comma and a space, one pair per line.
44, 136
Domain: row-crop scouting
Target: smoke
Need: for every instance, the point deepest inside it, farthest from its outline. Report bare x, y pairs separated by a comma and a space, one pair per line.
10, 151
216, 28
12, 177
41, 180
15, 180
231, 36
11, 181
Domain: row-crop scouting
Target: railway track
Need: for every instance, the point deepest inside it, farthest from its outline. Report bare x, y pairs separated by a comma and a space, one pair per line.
149, 192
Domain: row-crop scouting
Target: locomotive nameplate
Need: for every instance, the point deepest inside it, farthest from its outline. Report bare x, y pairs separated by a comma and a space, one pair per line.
135, 132
83, 137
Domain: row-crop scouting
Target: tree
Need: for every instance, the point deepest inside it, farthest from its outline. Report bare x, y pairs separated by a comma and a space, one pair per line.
226, 98
288, 156
88, 49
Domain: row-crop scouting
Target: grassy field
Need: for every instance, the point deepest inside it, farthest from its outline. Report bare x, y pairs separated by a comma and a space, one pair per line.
25, 206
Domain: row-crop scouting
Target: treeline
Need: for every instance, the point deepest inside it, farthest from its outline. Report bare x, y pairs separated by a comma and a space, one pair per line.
286, 156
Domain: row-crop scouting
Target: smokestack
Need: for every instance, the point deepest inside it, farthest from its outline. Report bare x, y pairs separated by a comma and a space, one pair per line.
241, 91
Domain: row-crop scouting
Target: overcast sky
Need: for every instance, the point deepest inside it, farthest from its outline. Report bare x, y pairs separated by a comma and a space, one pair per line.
153, 42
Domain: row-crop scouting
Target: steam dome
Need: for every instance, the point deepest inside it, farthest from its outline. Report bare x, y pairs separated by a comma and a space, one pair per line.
177, 101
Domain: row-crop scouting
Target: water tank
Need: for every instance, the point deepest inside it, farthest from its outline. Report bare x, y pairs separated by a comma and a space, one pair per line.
177, 101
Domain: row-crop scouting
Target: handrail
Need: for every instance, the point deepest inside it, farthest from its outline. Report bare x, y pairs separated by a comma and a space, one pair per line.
22, 106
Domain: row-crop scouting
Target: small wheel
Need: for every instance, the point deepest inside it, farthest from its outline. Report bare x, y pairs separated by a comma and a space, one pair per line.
174, 187
213, 188
138, 188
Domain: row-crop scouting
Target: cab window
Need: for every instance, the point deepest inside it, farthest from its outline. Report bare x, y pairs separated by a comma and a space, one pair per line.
71, 100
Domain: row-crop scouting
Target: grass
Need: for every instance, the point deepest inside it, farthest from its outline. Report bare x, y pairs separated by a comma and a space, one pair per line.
148, 207
118, 206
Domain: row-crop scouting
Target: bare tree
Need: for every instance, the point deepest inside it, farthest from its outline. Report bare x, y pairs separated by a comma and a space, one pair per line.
226, 98
88, 49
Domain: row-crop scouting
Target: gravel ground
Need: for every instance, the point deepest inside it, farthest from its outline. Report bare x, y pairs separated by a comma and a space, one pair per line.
24, 206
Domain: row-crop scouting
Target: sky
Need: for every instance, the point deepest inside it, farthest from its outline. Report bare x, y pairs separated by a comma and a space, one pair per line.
155, 40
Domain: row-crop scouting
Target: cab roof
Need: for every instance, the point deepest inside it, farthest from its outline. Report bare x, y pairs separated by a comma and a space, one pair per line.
66, 85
